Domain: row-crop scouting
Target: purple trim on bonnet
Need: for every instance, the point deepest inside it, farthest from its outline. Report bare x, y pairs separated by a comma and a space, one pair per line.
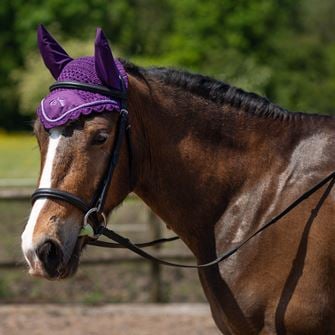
89, 104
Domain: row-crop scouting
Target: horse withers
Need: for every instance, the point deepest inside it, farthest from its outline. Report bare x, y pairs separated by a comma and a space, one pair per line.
214, 162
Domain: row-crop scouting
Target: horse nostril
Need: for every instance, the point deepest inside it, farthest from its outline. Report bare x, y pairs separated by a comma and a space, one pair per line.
51, 256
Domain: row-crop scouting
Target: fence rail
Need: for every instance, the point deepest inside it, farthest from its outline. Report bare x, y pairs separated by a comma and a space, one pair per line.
153, 227
167, 255
15, 193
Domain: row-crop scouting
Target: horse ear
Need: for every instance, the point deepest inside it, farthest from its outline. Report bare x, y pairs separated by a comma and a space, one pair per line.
104, 62
54, 56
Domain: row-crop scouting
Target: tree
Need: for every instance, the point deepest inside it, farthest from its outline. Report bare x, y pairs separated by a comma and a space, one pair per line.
282, 49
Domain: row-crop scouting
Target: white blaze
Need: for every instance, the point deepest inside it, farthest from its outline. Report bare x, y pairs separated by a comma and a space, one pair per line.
45, 181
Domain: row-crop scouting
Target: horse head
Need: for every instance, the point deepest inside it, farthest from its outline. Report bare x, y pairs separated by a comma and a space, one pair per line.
77, 130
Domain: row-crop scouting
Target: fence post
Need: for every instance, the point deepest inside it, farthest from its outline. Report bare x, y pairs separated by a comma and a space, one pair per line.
156, 284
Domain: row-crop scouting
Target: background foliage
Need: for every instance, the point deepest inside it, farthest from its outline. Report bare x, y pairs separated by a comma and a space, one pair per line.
279, 48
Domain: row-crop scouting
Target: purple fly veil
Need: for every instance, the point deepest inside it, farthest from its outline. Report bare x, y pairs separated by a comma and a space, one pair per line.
64, 105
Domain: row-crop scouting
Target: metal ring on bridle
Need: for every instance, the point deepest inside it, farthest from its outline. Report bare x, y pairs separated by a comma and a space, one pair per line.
124, 111
95, 210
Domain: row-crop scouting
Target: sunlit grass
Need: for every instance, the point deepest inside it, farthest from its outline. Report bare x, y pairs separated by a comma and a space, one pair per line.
19, 156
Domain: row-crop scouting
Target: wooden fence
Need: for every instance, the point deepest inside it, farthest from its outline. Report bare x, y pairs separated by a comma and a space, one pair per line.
154, 232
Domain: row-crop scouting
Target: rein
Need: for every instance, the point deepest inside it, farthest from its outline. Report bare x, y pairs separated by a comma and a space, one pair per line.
123, 242
94, 211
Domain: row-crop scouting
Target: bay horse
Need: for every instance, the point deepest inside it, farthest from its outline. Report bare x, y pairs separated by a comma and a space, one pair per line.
215, 163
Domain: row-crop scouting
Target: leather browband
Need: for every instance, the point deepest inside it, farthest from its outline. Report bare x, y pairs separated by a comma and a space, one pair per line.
90, 88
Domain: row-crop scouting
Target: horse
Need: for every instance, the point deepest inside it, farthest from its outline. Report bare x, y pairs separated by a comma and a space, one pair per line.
215, 163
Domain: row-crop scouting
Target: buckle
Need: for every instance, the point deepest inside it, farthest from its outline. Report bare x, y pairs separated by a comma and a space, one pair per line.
87, 229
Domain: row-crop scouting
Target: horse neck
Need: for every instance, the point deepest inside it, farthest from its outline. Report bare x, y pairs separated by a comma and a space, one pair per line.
193, 156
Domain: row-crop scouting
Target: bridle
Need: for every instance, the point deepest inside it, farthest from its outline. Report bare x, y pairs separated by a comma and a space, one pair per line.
94, 217
96, 207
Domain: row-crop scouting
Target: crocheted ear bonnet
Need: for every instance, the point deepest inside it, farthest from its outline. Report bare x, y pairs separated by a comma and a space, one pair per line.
63, 105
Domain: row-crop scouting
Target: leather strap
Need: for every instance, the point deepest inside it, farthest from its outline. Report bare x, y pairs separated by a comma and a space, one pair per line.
135, 248
122, 95
112, 245
60, 195
101, 194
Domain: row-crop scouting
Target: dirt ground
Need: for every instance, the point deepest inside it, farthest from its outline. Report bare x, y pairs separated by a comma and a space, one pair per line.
116, 319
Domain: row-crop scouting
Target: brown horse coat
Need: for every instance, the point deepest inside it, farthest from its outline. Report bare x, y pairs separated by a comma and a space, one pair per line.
215, 173
215, 163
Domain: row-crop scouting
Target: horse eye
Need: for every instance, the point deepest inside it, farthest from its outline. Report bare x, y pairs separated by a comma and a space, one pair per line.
99, 138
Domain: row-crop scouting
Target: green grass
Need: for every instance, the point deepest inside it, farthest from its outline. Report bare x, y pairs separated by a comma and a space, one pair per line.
19, 156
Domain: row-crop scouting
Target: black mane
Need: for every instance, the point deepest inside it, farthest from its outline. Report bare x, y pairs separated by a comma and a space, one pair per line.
213, 90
